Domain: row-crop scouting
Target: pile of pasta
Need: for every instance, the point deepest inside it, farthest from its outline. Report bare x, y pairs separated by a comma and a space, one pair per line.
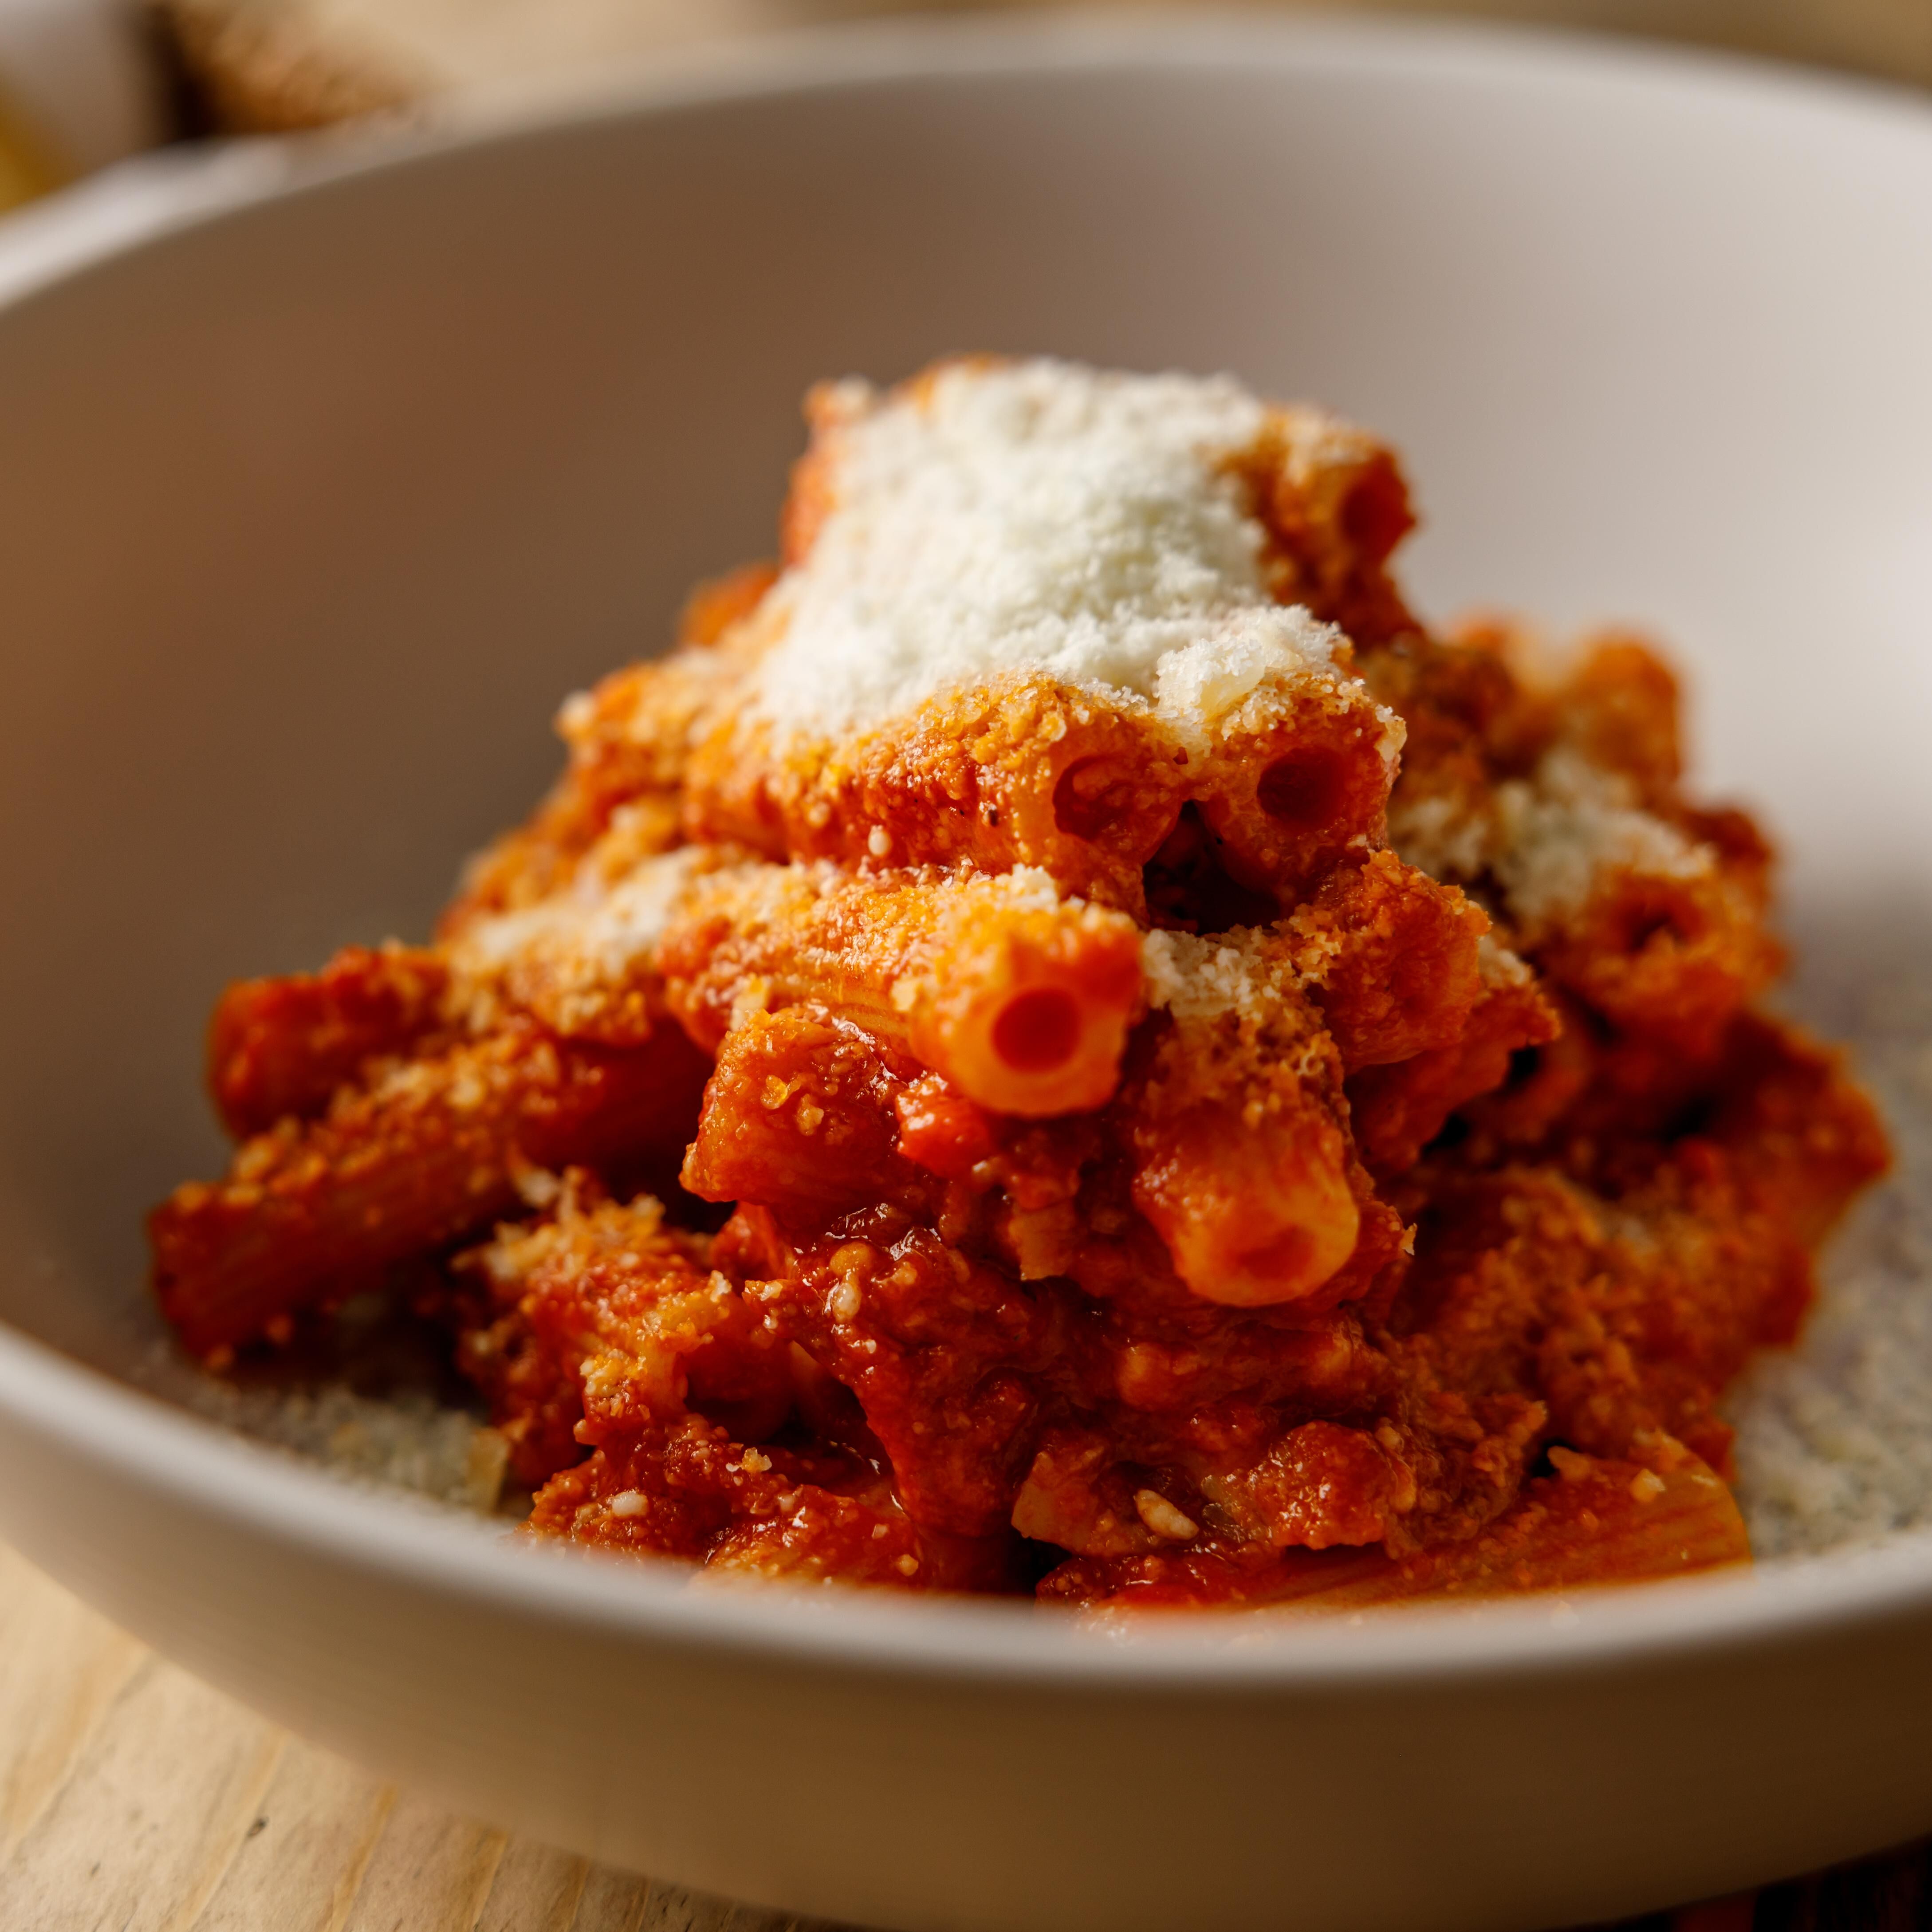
1062, 1040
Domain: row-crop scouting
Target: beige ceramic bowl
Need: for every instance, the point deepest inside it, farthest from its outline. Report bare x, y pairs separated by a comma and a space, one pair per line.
311, 508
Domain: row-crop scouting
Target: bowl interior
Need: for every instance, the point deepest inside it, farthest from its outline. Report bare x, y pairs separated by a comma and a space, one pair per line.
309, 514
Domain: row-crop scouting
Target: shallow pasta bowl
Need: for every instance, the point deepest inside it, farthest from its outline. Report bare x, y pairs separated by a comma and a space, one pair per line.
312, 504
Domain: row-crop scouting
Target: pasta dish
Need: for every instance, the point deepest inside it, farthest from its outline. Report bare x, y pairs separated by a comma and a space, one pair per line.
1064, 1041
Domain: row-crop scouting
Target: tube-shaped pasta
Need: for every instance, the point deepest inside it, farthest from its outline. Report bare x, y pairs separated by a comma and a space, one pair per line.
548, 1302
1559, 793
1795, 1121
1393, 959
280, 1048
1020, 999
1600, 1522
1018, 770
1619, 708
1082, 771
428, 1154
1672, 957
1251, 1215
1294, 781
1335, 505
1398, 1107
797, 1115
583, 961
580, 962
1244, 1163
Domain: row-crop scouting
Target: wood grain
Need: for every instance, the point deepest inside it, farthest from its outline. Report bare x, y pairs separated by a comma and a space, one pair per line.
301, 1862
134, 1798
149, 1816
61, 1668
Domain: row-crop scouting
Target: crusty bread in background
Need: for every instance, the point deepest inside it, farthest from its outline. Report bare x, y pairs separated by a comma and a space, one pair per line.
267, 65
261, 67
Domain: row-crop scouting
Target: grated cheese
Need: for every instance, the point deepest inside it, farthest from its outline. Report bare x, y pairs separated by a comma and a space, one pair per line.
1498, 966
1031, 516
407, 1439
1445, 836
1835, 1436
1200, 979
1244, 972
610, 929
1573, 823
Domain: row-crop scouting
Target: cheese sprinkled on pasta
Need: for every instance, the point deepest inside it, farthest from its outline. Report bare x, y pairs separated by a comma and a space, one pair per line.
1034, 516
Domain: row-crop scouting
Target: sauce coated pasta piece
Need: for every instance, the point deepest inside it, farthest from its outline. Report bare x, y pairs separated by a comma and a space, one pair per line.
1249, 1185
915, 1329
1393, 961
1600, 1522
1291, 783
279, 1049
1552, 790
1243, 1160
1021, 770
1654, 928
583, 961
309, 1211
1019, 999
683, 1382
798, 1115
1397, 1108
534, 1300
1791, 1118
1335, 505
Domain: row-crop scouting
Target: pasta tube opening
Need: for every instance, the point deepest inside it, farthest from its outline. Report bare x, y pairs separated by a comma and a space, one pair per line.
1021, 1000
1029, 1015
1251, 1217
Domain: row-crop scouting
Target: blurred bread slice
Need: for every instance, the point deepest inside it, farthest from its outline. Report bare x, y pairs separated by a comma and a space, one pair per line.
272, 65
262, 68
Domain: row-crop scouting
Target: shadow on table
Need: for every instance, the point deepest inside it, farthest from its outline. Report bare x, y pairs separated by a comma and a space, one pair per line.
1889, 1892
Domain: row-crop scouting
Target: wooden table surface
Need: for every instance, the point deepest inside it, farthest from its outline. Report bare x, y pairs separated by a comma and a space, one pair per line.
135, 1799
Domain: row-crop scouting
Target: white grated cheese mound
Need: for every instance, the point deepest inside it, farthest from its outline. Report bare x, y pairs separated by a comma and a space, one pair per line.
1835, 1436
610, 929
1200, 684
1498, 966
1442, 836
1197, 978
1031, 516
1575, 822
408, 1440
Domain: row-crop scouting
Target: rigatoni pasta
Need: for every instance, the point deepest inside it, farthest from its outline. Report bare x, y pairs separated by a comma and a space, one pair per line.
1018, 998
1062, 1040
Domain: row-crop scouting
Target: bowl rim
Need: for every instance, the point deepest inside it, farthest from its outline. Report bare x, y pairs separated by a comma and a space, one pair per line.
146, 1442
141, 203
